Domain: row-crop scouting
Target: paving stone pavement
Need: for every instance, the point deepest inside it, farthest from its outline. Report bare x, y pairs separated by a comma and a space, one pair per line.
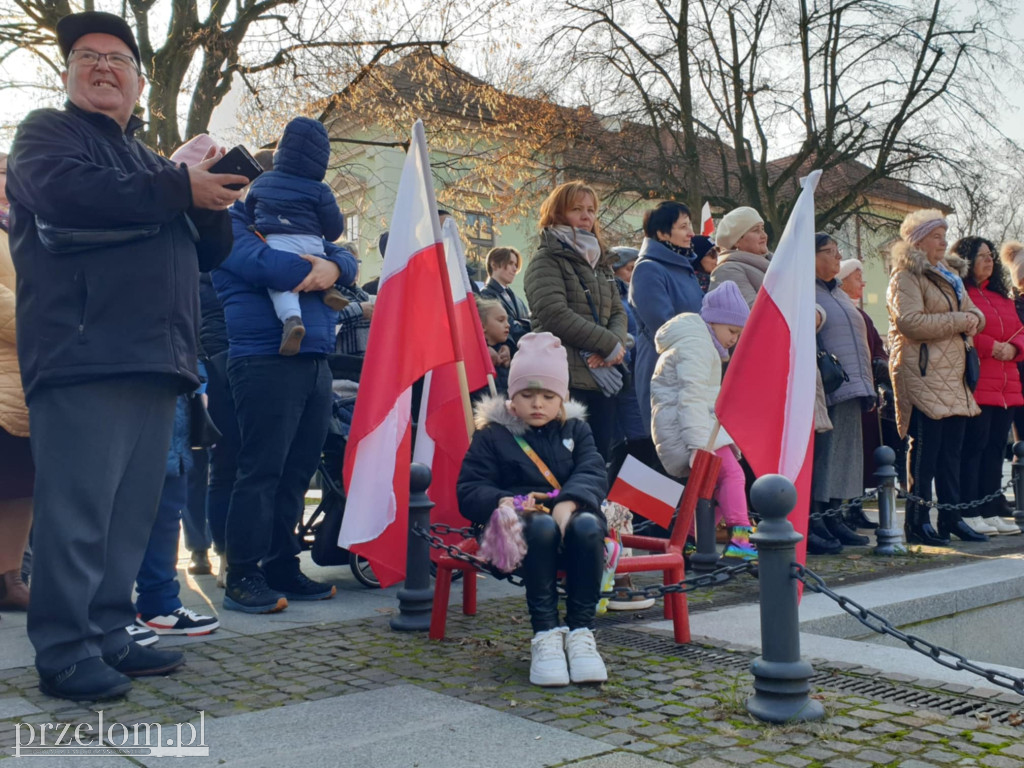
663, 705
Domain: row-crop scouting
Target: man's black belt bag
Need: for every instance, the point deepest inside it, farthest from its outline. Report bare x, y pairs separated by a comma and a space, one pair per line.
73, 239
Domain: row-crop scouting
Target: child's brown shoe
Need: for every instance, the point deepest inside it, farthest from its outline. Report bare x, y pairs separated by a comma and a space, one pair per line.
291, 337
334, 299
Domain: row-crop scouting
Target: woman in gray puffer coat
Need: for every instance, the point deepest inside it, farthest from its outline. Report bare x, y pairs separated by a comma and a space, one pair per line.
838, 455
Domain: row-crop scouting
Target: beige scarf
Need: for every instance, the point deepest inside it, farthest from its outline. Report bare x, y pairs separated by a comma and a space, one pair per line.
583, 242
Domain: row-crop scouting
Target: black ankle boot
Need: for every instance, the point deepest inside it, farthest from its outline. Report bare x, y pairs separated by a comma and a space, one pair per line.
840, 530
919, 530
855, 518
820, 541
952, 523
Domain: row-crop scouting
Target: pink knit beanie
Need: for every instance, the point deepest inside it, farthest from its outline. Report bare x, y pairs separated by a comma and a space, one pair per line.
725, 305
194, 150
539, 363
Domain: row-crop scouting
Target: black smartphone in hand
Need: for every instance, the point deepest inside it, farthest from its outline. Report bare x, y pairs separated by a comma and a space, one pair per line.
238, 160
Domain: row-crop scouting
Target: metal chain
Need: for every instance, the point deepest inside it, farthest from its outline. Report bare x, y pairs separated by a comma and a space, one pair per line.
843, 508
443, 529
712, 578
881, 625
962, 506
436, 542
959, 507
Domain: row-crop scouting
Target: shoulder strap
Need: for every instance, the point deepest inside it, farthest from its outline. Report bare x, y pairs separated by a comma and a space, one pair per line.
586, 292
538, 462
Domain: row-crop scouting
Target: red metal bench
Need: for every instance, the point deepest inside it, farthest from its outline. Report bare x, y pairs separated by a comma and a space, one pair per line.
666, 556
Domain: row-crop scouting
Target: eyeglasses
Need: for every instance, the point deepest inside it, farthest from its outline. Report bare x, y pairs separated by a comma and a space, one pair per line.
116, 61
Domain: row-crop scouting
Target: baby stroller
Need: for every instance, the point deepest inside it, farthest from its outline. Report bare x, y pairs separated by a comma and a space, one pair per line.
319, 531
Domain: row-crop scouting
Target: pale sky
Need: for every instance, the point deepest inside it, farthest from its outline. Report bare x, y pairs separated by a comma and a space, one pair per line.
15, 104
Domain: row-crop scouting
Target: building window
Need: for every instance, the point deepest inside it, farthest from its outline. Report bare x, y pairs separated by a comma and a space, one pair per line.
352, 227
479, 229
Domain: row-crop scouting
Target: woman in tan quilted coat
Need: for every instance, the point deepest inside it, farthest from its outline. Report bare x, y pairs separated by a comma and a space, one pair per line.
932, 320
16, 469
572, 294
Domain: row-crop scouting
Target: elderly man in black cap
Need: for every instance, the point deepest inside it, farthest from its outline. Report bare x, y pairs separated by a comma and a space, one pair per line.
108, 239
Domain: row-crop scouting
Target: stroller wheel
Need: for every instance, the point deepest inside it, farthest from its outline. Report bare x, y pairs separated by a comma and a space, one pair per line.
363, 572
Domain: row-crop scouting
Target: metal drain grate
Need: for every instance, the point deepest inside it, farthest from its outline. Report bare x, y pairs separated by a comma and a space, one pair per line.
873, 688
663, 646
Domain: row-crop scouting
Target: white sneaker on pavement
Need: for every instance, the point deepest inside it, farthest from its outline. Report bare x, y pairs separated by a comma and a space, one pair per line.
585, 663
180, 621
547, 658
1002, 526
141, 635
981, 526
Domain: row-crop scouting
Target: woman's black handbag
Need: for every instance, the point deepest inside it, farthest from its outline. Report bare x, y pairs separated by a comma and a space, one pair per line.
972, 364
203, 433
832, 374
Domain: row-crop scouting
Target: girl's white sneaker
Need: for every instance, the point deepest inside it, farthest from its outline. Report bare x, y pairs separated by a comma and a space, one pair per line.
585, 663
547, 658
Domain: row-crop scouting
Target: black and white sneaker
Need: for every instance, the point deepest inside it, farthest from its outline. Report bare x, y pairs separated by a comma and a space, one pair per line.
181, 621
141, 634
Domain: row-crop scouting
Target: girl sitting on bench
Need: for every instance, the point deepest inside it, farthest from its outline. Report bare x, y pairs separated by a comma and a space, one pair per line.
535, 451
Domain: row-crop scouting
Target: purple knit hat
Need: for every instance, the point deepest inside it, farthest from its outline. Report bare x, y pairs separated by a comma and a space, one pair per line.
725, 305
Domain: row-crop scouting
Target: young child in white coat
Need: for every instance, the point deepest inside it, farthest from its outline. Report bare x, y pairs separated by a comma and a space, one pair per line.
685, 386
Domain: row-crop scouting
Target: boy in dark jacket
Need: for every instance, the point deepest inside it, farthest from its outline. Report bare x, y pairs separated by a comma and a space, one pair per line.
295, 211
534, 449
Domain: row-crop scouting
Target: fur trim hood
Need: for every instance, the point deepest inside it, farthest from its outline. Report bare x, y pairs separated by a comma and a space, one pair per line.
910, 259
492, 409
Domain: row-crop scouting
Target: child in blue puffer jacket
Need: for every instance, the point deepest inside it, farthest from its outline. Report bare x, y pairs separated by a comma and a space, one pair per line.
295, 211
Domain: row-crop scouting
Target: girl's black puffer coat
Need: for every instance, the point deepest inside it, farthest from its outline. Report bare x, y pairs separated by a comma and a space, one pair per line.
495, 466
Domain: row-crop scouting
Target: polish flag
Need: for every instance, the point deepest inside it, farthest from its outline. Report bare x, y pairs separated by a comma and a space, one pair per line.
445, 421
410, 335
646, 492
767, 398
707, 224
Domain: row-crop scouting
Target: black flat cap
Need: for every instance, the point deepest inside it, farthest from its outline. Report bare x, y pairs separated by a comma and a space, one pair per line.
74, 26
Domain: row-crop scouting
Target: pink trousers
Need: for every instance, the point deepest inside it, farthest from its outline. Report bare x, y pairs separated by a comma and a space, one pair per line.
730, 492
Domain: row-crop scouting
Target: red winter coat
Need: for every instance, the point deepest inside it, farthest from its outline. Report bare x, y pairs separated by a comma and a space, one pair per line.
999, 384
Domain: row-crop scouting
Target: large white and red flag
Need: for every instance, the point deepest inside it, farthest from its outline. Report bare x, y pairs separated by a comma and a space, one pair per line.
410, 335
445, 423
767, 398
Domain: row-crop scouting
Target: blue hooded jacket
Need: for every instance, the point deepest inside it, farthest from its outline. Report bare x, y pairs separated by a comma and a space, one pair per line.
663, 286
292, 199
253, 267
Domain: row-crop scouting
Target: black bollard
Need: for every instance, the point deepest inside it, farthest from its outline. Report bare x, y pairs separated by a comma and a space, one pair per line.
888, 537
1017, 471
781, 677
416, 596
706, 557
